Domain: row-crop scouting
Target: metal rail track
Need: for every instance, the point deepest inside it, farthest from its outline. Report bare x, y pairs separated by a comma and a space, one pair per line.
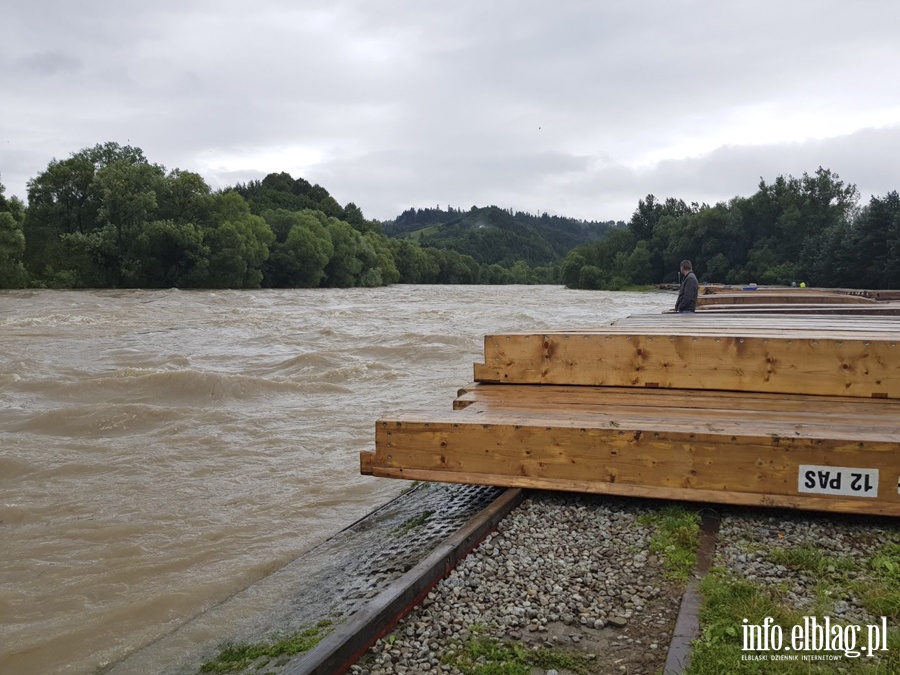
342, 648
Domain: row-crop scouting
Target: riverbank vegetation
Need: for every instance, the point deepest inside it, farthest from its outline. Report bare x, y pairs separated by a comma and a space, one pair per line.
235, 658
108, 218
810, 229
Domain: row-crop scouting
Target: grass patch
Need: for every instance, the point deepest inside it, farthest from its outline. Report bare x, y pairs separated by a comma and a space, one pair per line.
878, 588
809, 558
235, 657
412, 486
413, 522
416, 235
728, 601
880, 594
485, 656
676, 537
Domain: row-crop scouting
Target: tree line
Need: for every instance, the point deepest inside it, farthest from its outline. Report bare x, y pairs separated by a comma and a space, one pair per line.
108, 218
809, 230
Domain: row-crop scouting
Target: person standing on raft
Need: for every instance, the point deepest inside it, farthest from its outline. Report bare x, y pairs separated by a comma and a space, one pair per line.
687, 294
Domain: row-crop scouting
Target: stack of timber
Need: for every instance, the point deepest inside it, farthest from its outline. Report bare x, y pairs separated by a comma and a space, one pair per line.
775, 300
799, 411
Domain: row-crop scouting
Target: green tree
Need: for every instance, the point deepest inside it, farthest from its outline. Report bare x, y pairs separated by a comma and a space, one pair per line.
88, 206
12, 243
281, 191
170, 255
92, 260
384, 259
344, 269
413, 264
543, 274
184, 197
301, 251
792, 217
496, 274
717, 268
649, 212
571, 268
637, 266
875, 244
12, 251
603, 264
592, 278
127, 197
238, 243
354, 215
454, 268
644, 219
519, 272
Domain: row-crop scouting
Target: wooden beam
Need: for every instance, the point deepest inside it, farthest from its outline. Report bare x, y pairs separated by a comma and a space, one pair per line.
657, 452
574, 398
366, 462
765, 297
752, 324
881, 309
849, 365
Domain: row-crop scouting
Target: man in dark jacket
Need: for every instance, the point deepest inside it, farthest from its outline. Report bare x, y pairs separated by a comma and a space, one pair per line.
687, 294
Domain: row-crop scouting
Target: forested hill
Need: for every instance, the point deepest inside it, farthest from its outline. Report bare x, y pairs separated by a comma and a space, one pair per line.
283, 191
493, 235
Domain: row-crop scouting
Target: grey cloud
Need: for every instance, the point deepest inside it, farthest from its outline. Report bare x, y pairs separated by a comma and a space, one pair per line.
523, 104
50, 63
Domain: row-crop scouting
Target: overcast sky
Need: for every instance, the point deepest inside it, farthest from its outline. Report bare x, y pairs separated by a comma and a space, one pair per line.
576, 108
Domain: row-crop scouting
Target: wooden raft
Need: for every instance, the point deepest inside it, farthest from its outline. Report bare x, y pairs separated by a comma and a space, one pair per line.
802, 414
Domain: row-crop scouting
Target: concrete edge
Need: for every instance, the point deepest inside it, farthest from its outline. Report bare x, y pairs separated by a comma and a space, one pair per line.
687, 625
349, 641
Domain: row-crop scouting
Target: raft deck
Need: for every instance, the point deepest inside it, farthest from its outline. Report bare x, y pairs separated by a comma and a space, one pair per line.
801, 413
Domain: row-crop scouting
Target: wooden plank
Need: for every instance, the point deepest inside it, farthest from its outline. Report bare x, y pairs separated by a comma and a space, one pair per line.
366, 461
751, 322
763, 297
698, 424
585, 453
717, 289
730, 289
573, 398
848, 366
808, 424
791, 327
886, 309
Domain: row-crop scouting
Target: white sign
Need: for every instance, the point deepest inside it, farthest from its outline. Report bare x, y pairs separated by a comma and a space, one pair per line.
837, 480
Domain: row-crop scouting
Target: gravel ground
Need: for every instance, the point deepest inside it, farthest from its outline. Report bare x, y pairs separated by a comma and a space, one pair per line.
749, 543
571, 572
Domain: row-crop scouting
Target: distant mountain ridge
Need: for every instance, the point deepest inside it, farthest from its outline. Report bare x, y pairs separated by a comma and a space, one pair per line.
494, 235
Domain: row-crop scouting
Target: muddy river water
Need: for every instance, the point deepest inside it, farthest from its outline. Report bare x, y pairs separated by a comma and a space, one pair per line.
161, 450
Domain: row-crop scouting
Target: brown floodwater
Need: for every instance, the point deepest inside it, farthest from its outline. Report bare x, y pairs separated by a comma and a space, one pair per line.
161, 450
